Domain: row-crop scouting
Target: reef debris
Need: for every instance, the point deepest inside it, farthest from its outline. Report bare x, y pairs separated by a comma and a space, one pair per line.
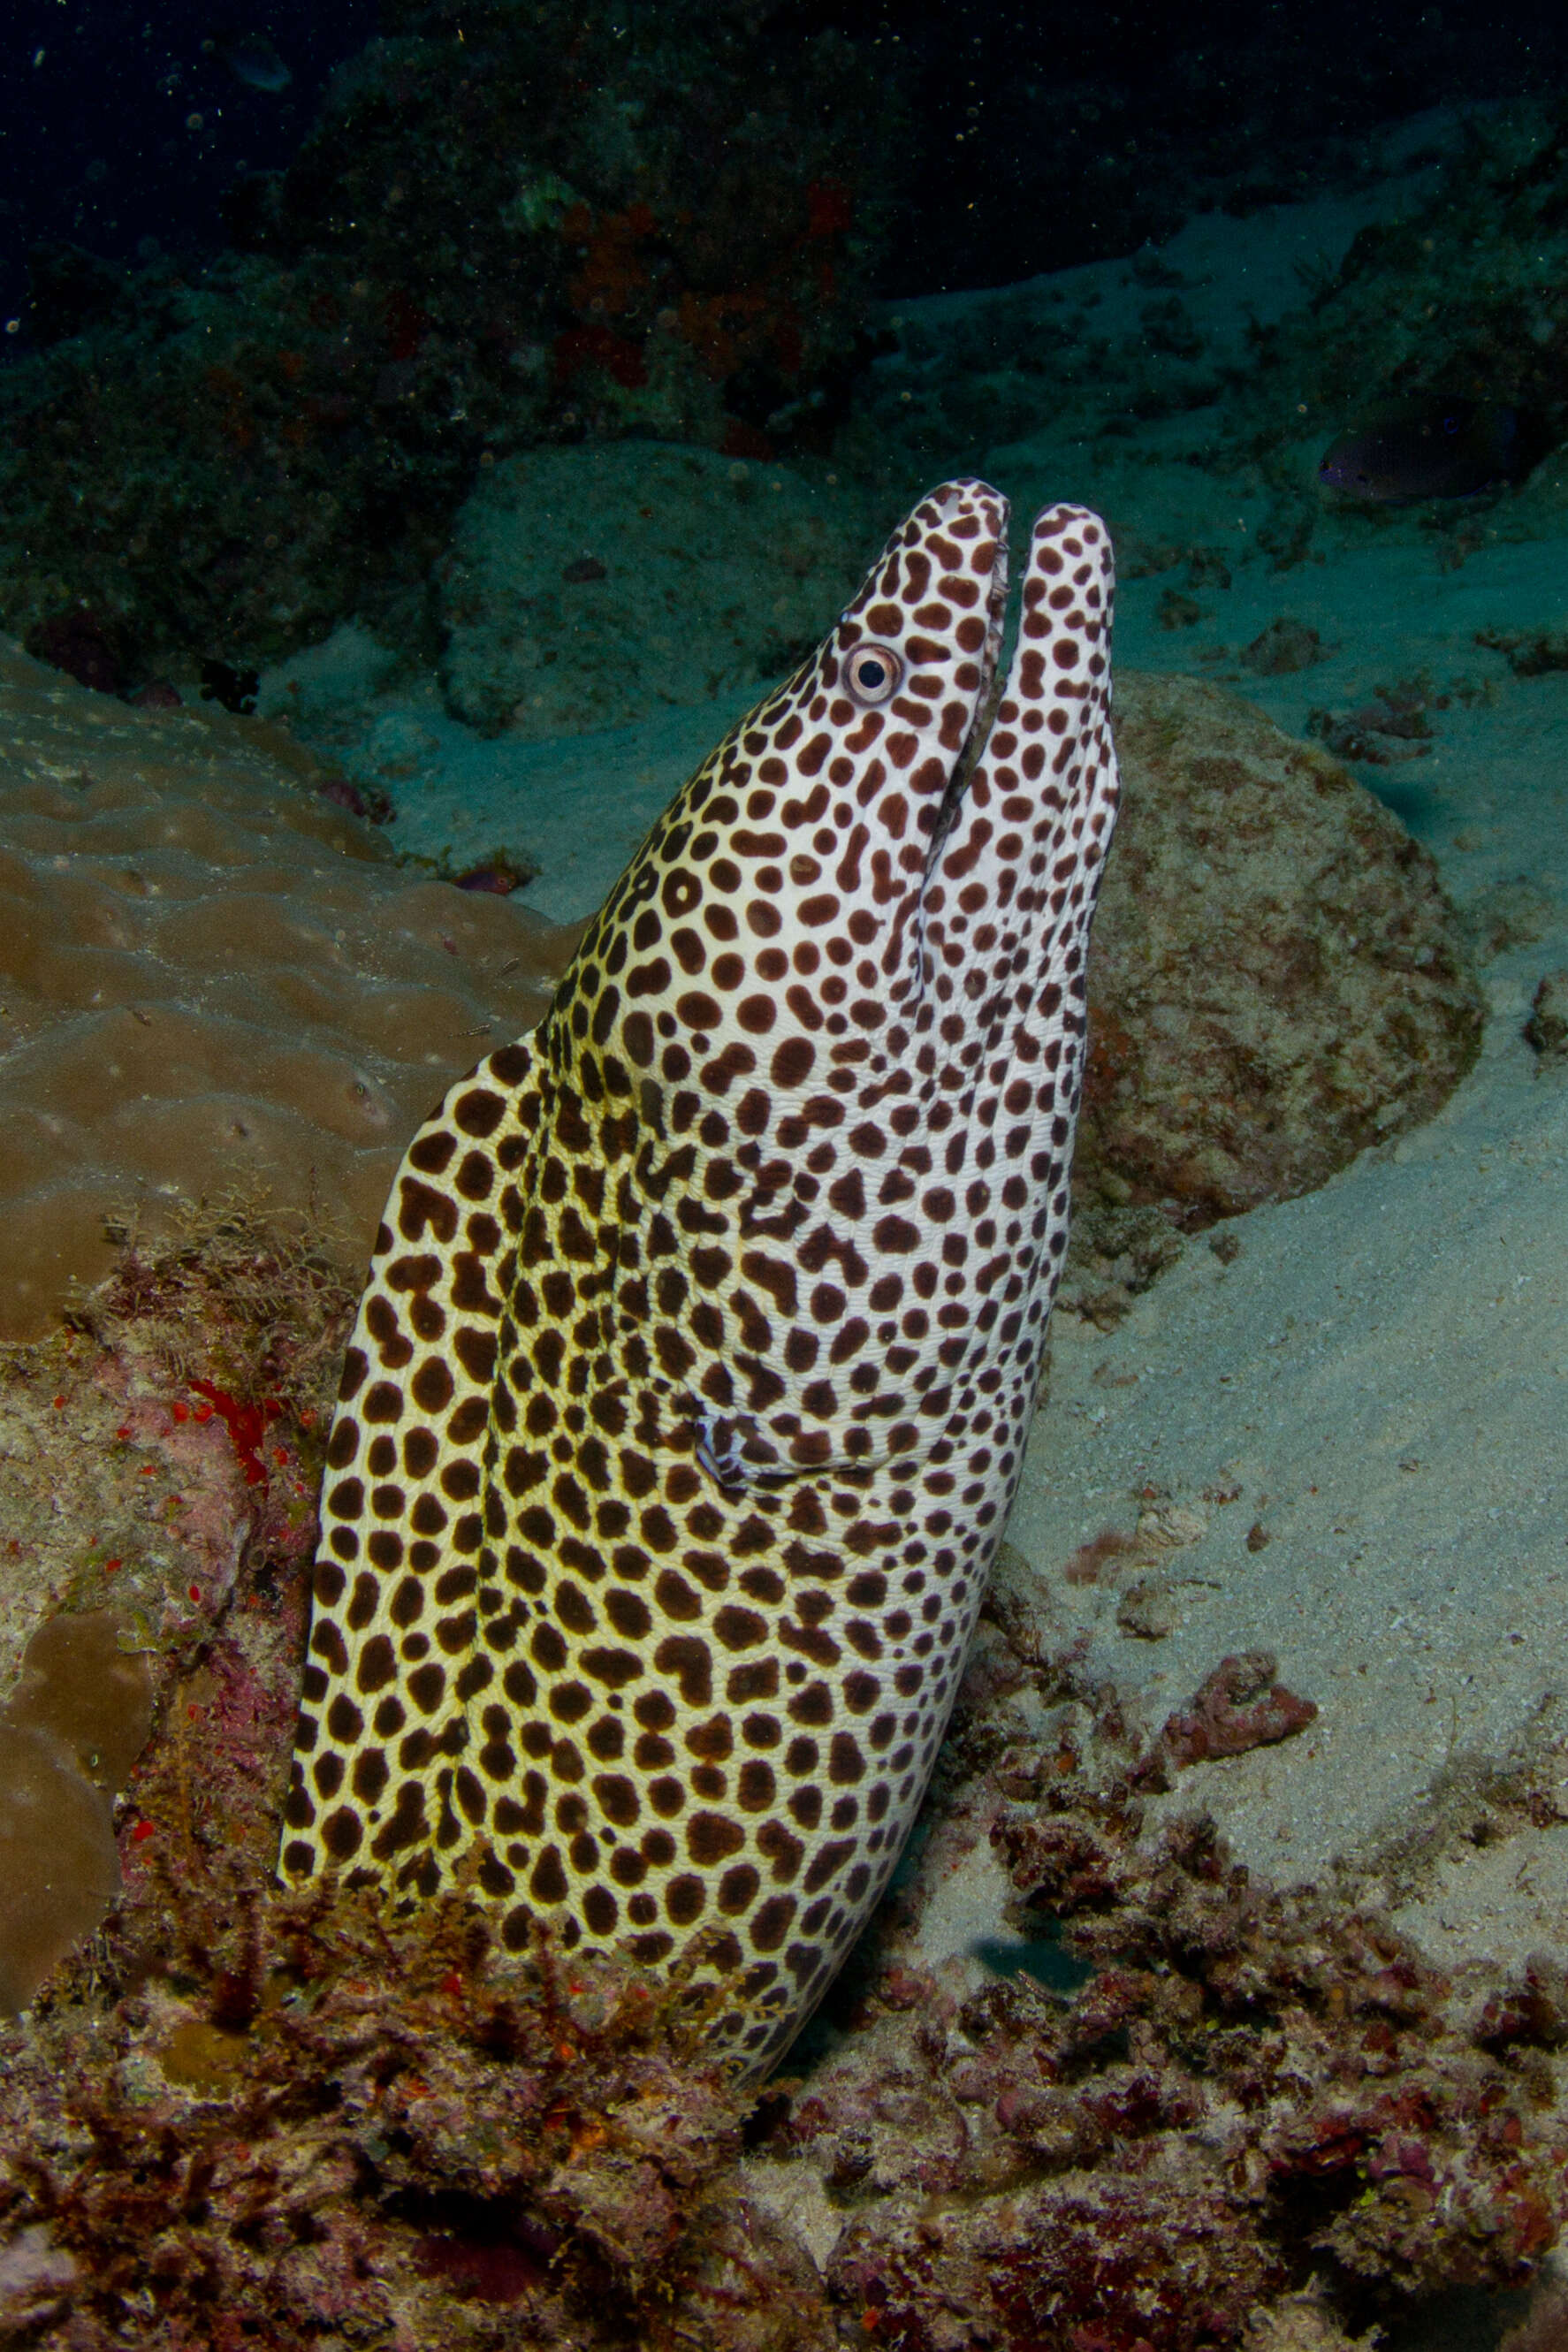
240, 2113
1547, 1028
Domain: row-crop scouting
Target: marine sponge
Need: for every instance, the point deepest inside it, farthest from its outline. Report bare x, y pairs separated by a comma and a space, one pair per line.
210, 973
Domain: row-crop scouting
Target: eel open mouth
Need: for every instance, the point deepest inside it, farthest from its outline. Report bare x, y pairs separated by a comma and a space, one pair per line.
1025, 816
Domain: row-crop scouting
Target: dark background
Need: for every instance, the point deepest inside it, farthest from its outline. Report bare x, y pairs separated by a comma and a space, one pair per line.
1040, 135
94, 145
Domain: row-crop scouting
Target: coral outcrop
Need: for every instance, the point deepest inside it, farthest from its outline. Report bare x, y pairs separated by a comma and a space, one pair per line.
584, 590
70, 1733
176, 1423
245, 2114
1461, 297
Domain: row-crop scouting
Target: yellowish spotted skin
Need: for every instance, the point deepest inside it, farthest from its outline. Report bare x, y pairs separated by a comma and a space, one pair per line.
689, 1389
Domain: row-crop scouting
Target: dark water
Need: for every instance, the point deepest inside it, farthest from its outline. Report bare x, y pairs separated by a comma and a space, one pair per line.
1042, 136
120, 132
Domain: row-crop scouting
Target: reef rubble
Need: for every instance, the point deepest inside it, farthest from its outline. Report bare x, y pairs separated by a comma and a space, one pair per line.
238, 2114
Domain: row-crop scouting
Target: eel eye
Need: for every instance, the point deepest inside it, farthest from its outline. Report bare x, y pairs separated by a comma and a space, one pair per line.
873, 674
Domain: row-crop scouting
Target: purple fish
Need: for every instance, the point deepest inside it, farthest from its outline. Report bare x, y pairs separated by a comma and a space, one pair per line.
1421, 448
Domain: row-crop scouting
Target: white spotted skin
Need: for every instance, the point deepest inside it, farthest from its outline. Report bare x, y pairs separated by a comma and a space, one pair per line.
689, 1390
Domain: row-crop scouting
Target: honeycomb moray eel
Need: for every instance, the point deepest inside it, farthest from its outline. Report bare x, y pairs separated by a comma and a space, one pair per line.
688, 1394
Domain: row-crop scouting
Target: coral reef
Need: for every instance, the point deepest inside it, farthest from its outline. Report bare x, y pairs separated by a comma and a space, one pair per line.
1191, 2111
1460, 297
534, 225
306, 2115
140, 1451
213, 975
1198, 2096
1245, 2088
1336, 1007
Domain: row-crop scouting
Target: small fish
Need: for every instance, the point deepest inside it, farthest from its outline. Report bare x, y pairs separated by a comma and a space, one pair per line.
498, 874
252, 59
1423, 448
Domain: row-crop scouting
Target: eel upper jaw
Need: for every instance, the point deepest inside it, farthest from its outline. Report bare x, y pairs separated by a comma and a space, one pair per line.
908, 952
994, 684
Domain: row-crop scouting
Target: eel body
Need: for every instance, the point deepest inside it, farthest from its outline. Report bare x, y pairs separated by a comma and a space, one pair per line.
689, 1390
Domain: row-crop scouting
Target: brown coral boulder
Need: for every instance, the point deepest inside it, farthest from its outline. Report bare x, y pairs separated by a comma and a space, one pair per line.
214, 979
1277, 978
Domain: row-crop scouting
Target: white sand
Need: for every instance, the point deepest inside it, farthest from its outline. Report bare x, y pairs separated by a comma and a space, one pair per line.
1383, 1373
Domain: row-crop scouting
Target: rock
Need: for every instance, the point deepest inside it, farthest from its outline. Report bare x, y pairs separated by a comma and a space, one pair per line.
1147, 1610
1530, 653
1277, 979
1547, 1027
1284, 646
587, 587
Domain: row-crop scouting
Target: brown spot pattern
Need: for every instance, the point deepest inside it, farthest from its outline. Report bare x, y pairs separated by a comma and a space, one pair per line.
691, 1381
